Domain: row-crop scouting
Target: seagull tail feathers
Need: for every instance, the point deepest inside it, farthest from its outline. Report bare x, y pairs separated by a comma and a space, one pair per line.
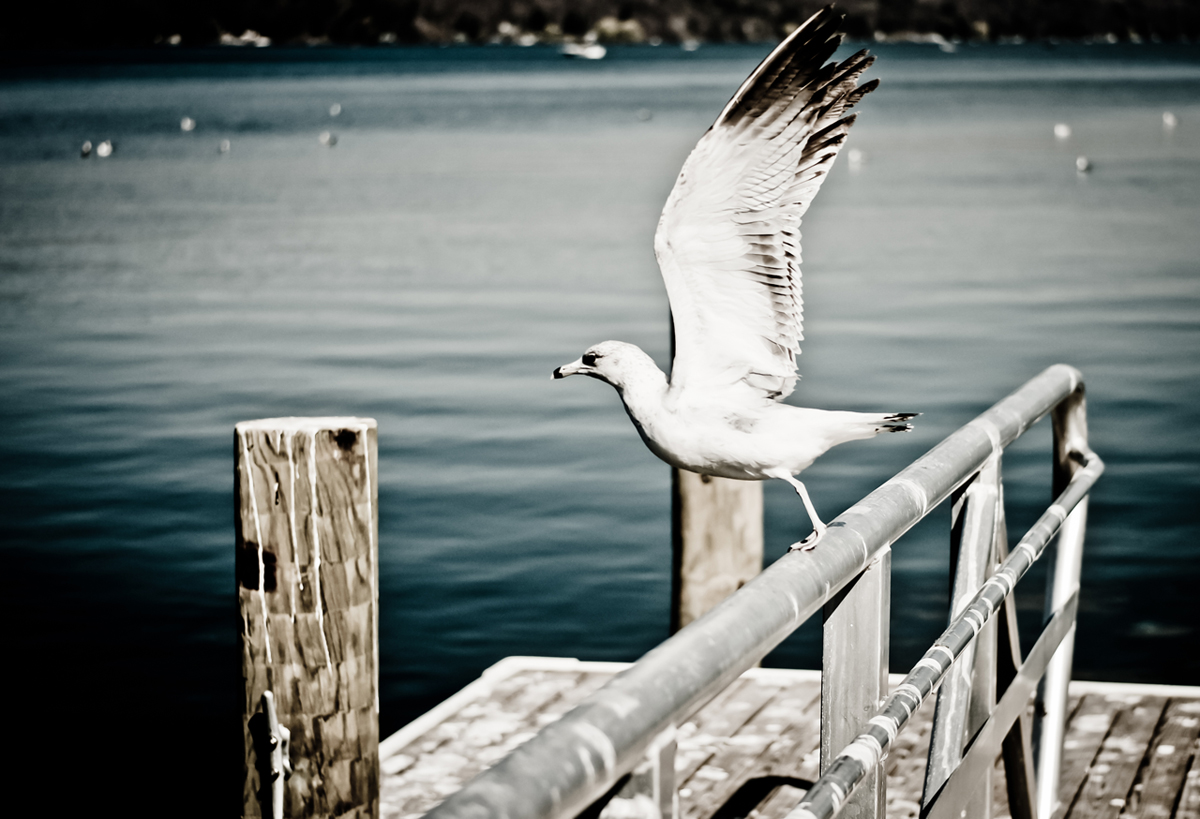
897, 422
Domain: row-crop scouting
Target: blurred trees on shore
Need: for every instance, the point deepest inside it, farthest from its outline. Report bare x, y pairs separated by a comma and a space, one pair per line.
137, 23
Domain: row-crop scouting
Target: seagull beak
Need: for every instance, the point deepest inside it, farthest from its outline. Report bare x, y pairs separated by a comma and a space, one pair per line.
574, 368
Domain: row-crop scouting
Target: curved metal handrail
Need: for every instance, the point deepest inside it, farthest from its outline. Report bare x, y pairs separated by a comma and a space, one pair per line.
849, 769
571, 763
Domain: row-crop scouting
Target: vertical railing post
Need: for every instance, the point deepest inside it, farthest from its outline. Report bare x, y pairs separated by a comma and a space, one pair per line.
854, 668
307, 555
1017, 749
1070, 443
968, 694
650, 792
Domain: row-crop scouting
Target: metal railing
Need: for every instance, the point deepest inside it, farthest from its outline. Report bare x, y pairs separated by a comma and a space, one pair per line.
628, 726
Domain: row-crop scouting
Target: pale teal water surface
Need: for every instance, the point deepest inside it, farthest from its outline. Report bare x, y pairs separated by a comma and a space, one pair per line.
485, 215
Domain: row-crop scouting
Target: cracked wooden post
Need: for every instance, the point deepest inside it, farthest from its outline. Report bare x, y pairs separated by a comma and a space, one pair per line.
307, 567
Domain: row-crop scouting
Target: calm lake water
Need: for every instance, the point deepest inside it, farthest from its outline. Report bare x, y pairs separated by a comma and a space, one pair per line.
485, 215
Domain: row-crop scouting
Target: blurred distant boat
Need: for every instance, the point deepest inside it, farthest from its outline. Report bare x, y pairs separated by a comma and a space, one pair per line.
249, 37
932, 38
104, 149
584, 51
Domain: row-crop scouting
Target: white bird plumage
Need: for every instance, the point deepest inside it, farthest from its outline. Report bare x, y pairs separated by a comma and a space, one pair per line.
728, 245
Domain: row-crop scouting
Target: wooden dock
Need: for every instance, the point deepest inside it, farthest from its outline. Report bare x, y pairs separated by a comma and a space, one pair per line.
752, 750
1131, 751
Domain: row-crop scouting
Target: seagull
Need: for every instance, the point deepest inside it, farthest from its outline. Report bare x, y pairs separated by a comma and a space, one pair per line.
728, 246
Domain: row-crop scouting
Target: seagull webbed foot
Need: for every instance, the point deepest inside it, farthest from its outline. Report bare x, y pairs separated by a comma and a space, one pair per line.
809, 543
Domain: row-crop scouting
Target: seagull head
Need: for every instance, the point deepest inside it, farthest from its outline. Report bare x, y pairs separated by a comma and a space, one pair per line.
613, 362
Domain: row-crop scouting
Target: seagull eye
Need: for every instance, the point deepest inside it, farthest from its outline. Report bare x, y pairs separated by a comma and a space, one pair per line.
590, 359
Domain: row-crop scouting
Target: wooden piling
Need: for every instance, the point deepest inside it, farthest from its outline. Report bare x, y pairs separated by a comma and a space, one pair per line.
307, 557
717, 541
716, 538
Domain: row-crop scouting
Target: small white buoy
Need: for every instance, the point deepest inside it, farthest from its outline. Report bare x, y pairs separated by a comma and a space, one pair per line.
584, 51
187, 124
327, 139
1169, 121
1062, 131
224, 146
1082, 164
335, 109
105, 148
690, 45
85, 150
645, 114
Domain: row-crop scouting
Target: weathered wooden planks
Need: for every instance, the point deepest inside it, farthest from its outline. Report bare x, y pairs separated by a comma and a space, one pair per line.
1161, 778
1189, 800
435, 764
760, 737
764, 725
740, 756
307, 550
1110, 776
702, 737
1089, 724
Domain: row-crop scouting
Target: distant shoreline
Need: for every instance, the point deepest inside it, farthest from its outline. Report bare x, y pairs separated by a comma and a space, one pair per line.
47, 63
75, 25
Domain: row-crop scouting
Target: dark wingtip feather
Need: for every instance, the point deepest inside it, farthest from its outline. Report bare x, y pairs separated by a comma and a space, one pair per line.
805, 50
840, 130
862, 55
858, 93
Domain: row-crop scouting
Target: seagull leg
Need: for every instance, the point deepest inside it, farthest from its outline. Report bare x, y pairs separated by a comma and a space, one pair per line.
819, 528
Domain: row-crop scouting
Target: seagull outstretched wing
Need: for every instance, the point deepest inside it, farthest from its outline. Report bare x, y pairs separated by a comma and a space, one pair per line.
728, 242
